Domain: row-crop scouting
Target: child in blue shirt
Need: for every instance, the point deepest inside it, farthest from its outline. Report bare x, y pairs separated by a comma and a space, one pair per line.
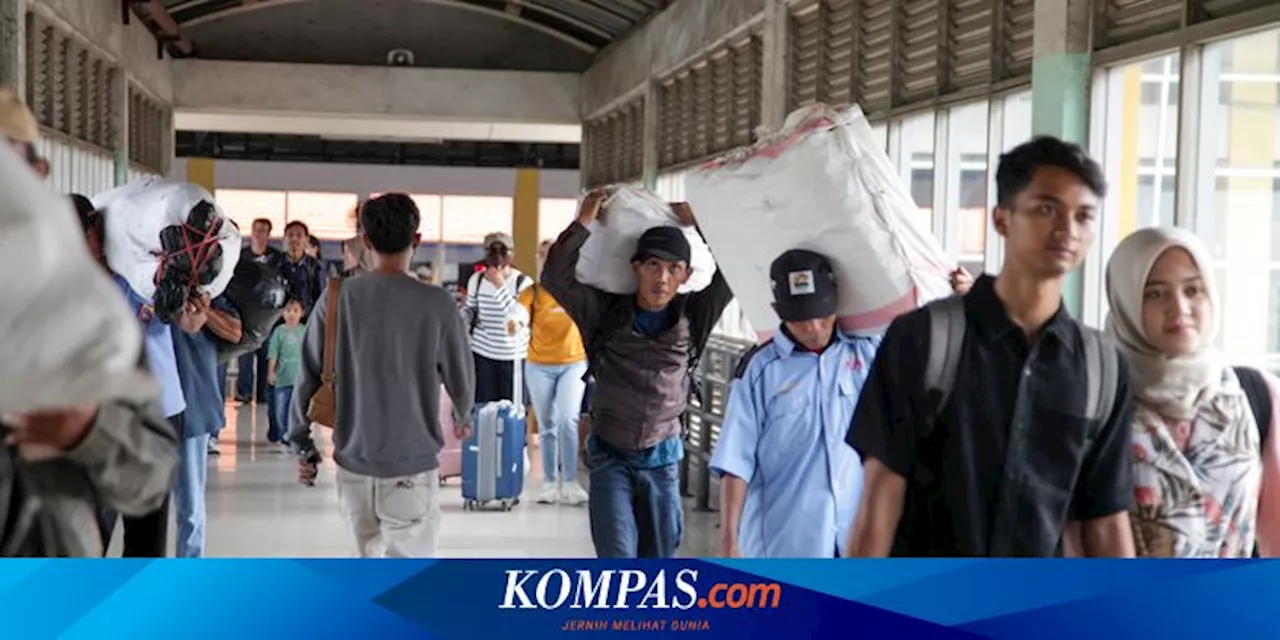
284, 365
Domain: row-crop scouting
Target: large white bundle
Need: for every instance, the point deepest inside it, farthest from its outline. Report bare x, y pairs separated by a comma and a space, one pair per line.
136, 213
824, 184
604, 261
66, 332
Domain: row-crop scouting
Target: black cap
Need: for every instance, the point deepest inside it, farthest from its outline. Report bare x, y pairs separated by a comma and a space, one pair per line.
663, 243
804, 286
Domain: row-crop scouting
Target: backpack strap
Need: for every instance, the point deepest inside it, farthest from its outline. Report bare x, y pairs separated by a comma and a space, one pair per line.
1102, 371
1259, 396
946, 341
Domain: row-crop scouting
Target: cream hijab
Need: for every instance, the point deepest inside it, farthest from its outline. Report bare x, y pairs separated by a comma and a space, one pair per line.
1175, 387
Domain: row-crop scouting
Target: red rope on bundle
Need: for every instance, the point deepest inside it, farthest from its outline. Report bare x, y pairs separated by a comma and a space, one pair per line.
199, 251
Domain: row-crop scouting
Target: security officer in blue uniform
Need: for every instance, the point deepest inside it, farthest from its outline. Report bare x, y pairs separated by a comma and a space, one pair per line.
790, 485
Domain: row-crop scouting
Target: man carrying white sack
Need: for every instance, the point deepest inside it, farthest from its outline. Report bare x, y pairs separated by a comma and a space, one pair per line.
790, 485
639, 348
59, 463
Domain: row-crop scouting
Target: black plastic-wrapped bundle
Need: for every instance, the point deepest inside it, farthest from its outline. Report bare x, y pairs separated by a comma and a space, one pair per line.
192, 258
259, 293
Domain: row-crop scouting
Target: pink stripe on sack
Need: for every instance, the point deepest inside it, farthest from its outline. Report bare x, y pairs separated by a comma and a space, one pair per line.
773, 150
883, 316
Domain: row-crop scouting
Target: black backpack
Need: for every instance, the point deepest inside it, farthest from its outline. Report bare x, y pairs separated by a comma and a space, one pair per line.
1259, 395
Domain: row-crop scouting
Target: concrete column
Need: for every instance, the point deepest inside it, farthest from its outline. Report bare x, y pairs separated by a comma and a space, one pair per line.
524, 223
167, 142
777, 59
1060, 88
651, 96
120, 96
13, 45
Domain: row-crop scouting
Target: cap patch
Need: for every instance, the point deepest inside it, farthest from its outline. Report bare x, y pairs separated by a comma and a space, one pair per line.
802, 283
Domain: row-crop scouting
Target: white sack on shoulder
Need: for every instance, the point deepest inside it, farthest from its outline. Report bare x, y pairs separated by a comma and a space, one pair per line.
822, 183
68, 337
604, 262
137, 212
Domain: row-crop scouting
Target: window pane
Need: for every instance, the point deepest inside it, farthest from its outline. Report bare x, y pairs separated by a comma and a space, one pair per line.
881, 133
916, 161
1238, 212
329, 216
967, 182
468, 219
429, 208
244, 206
1141, 150
554, 216
1017, 120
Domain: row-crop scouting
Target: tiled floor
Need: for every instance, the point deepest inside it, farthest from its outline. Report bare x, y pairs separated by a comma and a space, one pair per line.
256, 509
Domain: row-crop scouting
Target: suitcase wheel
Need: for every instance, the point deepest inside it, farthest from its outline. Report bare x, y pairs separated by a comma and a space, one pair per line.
507, 504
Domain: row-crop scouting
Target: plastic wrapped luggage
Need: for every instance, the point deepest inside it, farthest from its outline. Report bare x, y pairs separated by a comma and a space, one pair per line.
258, 292
822, 183
451, 454
493, 457
604, 261
167, 239
68, 337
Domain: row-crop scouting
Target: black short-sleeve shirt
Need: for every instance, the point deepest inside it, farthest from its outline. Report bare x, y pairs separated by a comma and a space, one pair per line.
1074, 469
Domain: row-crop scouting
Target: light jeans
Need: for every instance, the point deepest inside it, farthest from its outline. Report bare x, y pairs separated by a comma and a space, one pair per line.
556, 394
392, 517
188, 495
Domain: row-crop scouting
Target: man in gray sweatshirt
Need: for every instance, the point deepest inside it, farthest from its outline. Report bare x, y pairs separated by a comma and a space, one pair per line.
397, 339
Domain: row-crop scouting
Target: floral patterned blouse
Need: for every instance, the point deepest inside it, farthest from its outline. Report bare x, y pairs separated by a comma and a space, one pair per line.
1198, 482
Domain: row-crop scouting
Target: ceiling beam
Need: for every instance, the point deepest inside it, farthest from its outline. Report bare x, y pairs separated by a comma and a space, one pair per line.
169, 32
251, 6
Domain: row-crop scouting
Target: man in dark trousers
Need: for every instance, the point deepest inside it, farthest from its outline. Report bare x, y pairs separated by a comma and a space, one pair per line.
641, 349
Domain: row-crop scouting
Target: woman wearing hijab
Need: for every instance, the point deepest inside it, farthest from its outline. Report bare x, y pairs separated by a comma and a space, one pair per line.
1206, 473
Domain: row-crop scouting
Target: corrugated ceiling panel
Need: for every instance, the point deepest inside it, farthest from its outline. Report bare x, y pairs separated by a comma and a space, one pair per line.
875, 56
1018, 32
839, 30
806, 50
969, 45
918, 52
1125, 21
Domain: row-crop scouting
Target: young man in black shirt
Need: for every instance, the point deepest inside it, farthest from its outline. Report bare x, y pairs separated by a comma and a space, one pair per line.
1014, 453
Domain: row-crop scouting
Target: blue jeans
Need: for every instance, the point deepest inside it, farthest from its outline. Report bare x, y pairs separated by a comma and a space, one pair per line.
222, 380
245, 379
635, 513
556, 394
281, 400
188, 495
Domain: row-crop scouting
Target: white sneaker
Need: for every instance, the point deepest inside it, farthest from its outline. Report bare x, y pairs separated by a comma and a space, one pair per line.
573, 494
550, 493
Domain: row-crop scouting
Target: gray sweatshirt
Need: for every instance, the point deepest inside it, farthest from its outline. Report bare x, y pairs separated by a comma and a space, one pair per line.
398, 339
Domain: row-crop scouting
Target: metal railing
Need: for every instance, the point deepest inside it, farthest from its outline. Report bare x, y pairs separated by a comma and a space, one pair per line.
703, 420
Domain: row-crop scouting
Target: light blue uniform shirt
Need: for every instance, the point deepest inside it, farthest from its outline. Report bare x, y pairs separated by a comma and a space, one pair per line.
158, 341
784, 434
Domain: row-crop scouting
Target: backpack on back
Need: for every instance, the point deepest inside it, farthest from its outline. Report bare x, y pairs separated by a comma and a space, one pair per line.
1259, 396
947, 325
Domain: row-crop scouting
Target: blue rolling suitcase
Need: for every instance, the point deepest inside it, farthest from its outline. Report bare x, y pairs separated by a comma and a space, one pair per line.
493, 456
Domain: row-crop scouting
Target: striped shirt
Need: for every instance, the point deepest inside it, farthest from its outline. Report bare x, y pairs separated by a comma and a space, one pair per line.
493, 307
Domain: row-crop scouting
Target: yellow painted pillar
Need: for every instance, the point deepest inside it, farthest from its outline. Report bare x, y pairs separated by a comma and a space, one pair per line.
1131, 118
525, 220
201, 172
